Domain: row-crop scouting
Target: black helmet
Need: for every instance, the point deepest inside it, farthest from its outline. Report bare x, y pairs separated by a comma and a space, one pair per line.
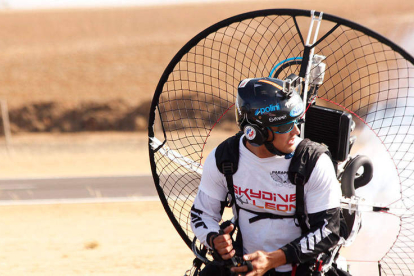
265, 102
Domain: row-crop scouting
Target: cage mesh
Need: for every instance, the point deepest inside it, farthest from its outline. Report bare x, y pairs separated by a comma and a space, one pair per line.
365, 75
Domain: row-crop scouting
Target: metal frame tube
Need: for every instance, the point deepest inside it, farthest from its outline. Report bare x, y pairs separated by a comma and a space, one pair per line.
308, 68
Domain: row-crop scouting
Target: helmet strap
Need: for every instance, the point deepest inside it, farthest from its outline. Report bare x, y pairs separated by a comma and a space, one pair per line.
272, 149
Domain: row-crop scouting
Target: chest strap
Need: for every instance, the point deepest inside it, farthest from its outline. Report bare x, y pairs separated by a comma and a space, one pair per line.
260, 215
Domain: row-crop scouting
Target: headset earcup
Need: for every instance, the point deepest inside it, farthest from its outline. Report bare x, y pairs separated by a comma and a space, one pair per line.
255, 134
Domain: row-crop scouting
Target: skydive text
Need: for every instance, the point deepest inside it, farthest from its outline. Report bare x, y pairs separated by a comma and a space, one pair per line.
266, 200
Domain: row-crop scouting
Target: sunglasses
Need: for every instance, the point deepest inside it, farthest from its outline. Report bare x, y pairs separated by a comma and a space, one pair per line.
285, 128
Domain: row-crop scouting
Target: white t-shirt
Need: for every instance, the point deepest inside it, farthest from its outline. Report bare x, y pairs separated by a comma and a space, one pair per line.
262, 185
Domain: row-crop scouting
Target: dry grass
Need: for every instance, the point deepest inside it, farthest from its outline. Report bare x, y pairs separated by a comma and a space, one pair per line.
70, 62
82, 154
73, 56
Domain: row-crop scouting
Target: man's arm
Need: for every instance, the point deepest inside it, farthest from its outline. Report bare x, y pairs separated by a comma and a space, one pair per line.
205, 217
322, 201
323, 235
208, 205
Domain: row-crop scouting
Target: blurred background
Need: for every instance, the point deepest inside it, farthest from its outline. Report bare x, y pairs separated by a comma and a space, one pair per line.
76, 83
77, 77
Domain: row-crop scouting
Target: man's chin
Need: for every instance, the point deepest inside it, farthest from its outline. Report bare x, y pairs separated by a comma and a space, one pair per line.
287, 150
290, 149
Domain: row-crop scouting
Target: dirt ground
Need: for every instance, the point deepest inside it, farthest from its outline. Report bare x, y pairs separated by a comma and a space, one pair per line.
133, 238
72, 58
90, 239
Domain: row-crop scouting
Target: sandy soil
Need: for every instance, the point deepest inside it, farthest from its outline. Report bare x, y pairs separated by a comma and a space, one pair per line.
81, 154
90, 239
86, 239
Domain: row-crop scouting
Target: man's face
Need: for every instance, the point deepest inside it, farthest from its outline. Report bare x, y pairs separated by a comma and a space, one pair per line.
284, 142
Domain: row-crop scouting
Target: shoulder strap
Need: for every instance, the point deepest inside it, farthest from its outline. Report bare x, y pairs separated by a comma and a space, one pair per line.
301, 166
227, 161
304, 160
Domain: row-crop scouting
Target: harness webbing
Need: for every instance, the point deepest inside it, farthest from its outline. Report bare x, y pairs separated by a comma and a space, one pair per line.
303, 161
301, 166
227, 162
228, 171
263, 215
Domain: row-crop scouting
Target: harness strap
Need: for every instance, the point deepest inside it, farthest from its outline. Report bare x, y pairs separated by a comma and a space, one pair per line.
303, 161
228, 171
260, 215
227, 161
300, 214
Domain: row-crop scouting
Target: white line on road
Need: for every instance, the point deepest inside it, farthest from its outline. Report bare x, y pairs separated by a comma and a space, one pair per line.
74, 177
10, 187
78, 200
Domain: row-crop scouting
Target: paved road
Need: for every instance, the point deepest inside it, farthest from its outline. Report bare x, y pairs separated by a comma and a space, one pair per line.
75, 188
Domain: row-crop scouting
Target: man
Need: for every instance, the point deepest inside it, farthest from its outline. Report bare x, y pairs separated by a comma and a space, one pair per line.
268, 112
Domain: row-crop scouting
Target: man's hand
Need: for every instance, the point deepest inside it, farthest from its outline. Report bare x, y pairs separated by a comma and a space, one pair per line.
262, 262
223, 244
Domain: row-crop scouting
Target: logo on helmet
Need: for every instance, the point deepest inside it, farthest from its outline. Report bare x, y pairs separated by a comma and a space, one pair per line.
275, 119
267, 109
297, 110
293, 101
238, 108
243, 83
250, 132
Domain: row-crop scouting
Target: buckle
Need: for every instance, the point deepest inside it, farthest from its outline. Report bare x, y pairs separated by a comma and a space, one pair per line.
228, 168
299, 179
229, 200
